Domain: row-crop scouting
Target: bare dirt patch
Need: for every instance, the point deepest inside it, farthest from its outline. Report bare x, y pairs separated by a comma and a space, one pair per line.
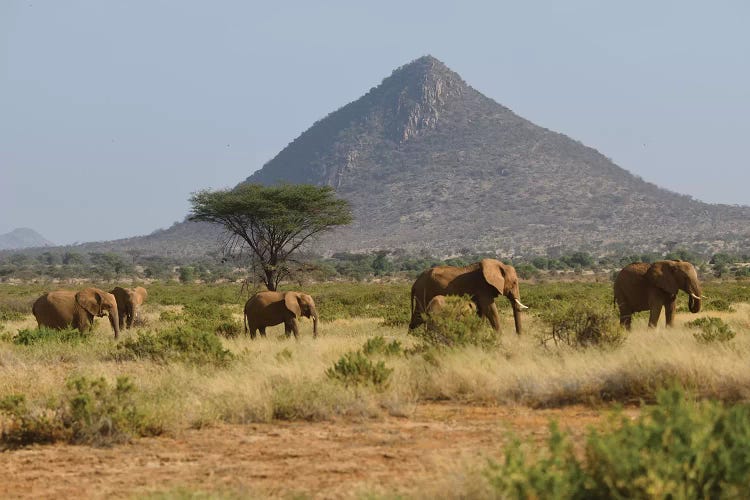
340, 459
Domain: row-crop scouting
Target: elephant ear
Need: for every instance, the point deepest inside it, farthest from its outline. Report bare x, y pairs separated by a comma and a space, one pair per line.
292, 303
662, 275
494, 274
90, 300
141, 292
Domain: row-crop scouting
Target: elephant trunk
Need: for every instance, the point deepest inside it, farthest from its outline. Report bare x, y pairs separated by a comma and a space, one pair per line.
517, 307
694, 302
314, 315
694, 295
114, 320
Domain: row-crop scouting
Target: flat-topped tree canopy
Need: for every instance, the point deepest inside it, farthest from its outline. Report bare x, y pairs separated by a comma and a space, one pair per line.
271, 221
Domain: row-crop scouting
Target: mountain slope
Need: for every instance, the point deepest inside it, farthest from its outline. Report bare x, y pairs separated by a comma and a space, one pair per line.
23, 237
429, 162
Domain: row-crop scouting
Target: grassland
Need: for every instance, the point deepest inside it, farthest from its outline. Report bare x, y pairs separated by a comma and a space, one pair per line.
179, 374
276, 378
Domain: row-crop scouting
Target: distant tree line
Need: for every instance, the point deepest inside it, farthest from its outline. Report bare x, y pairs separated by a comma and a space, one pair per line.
64, 265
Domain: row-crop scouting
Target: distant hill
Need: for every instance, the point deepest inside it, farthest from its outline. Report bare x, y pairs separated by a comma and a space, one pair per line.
429, 163
23, 237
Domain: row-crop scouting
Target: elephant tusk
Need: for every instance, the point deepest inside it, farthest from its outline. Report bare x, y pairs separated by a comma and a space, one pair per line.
521, 305
695, 296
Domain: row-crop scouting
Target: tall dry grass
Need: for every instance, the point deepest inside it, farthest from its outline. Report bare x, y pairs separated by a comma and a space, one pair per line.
279, 378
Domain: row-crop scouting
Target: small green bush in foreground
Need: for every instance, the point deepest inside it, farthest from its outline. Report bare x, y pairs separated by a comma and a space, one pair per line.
90, 411
19, 426
676, 449
99, 414
711, 330
31, 336
456, 325
378, 345
179, 343
583, 325
354, 368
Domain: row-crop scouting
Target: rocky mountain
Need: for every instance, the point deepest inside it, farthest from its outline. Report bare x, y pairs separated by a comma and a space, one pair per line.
429, 163
23, 237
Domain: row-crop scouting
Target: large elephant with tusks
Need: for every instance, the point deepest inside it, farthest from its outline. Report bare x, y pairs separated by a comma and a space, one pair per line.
482, 281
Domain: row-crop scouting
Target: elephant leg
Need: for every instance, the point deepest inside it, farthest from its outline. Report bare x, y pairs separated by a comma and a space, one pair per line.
489, 311
653, 318
626, 320
262, 331
416, 316
626, 317
290, 326
669, 309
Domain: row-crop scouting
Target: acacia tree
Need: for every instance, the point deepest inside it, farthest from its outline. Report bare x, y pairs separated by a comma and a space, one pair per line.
271, 222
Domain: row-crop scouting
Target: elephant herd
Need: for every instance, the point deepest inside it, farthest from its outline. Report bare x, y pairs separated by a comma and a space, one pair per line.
638, 287
65, 308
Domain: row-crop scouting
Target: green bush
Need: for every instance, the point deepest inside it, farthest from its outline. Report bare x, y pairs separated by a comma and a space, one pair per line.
179, 343
31, 336
169, 316
354, 368
456, 325
711, 330
88, 412
229, 329
19, 426
378, 345
675, 449
579, 324
99, 414
718, 305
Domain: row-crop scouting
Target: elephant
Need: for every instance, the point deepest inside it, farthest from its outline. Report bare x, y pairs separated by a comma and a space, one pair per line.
482, 281
649, 287
129, 301
271, 308
65, 308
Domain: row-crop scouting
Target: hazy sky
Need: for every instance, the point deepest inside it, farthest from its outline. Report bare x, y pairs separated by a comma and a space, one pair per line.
112, 112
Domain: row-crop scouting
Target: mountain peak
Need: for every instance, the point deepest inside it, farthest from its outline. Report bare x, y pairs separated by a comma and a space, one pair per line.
23, 237
429, 162
417, 93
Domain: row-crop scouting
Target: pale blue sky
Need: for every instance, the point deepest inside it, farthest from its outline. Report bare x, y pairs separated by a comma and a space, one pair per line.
112, 113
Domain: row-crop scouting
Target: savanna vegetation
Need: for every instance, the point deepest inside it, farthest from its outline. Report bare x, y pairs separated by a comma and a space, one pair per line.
188, 364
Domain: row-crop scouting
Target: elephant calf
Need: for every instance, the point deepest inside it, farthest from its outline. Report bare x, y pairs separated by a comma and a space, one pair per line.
272, 308
129, 301
649, 287
438, 303
65, 308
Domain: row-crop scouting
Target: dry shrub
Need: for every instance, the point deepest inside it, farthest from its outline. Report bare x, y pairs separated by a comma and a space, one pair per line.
456, 325
582, 325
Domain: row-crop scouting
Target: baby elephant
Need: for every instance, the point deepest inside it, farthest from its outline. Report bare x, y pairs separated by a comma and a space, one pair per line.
129, 301
271, 308
455, 307
437, 304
